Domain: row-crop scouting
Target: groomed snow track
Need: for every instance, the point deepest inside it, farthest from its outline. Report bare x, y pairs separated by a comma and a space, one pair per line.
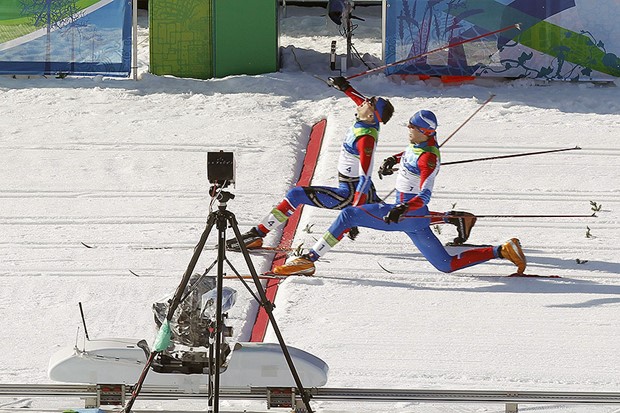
92, 394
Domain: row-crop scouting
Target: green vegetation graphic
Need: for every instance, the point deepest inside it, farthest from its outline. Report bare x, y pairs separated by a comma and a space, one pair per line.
14, 24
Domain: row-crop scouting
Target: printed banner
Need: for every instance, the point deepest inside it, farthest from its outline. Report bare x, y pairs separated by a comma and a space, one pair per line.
65, 37
568, 40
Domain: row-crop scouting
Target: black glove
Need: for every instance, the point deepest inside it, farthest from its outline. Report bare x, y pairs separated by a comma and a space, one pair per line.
386, 167
395, 213
353, 233
339, 83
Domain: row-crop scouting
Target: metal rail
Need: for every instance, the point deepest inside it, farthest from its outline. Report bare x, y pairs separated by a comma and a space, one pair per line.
510, 398
346, 394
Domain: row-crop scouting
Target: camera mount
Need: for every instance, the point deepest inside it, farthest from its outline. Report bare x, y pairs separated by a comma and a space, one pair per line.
220, 171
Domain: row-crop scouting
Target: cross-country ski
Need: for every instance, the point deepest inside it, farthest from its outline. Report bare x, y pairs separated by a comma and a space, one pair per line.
262, 248
516, 275
266, 276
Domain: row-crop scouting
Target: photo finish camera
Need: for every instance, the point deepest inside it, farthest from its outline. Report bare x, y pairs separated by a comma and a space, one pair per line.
221, 168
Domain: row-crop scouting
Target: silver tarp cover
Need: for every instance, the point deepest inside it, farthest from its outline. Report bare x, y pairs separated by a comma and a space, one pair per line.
187, 324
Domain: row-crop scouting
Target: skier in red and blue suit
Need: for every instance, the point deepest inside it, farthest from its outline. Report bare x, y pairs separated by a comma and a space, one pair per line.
355, 164
419, 166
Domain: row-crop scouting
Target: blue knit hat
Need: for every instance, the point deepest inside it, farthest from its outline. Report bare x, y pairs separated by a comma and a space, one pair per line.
385, 109
425, 120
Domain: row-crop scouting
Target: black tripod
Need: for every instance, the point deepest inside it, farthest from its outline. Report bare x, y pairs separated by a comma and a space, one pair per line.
221, 218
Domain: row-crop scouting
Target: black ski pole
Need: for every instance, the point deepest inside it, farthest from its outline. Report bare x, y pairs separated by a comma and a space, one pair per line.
510, 216
510, 156
494, 157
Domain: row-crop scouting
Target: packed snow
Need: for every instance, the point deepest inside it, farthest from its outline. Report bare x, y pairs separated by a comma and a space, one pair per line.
119, 165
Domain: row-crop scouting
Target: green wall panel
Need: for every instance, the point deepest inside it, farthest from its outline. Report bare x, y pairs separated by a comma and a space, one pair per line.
181, 38
246, 37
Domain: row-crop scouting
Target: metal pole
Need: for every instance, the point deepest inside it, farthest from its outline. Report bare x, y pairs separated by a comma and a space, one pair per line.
221, 223
348, 31
134, 67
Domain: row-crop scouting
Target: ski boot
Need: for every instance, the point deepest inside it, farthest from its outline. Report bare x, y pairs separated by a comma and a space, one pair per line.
464, 222
301, 266
512, 251
251, 239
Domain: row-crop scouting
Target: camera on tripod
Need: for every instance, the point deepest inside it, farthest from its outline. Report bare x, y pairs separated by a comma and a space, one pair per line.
221, 168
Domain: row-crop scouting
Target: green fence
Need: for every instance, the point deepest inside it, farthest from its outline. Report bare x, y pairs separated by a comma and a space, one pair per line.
213, 38
181, 38
246, 37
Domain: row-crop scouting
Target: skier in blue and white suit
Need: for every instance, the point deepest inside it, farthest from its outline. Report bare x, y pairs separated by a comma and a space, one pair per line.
419, 166
355, 164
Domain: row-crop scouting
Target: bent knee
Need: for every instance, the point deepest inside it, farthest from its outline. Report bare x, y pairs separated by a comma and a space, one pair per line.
296, 196
350, 214
442, 266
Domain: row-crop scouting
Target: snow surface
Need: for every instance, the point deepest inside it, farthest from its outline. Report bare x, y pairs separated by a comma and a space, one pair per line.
120, 165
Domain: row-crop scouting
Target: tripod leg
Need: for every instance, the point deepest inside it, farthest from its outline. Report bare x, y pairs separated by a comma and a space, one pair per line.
191, 266
214, 365
173, 306
268, 306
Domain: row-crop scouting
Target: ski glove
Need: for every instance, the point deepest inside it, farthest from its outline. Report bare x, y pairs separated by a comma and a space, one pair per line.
339, 83
395, 213
386, 167
353, 233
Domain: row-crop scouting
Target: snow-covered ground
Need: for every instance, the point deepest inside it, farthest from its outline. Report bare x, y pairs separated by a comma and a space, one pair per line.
120, 165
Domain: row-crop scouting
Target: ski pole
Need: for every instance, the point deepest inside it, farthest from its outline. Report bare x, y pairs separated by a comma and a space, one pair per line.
516, 155
512, 26
456, 130
510, 156
511, 216
593, 215
495, 157
468, 119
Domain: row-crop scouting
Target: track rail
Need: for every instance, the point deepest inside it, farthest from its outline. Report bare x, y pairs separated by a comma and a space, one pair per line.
329, 394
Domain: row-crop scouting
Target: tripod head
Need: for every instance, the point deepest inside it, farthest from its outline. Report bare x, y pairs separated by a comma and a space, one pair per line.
222, 196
